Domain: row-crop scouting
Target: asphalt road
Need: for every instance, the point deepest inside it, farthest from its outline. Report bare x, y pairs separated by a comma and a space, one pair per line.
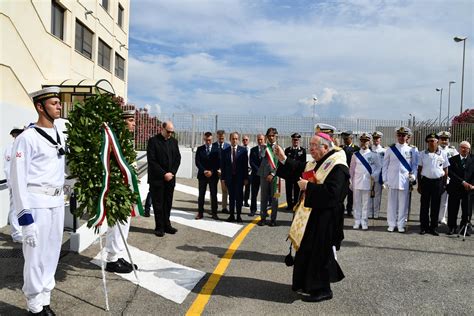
386, 273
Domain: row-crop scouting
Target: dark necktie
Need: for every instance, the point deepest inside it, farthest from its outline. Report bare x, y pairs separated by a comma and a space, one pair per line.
208, 150
234, 164
463, 163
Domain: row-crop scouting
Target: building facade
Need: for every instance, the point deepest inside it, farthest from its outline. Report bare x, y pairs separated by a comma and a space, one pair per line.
79, 45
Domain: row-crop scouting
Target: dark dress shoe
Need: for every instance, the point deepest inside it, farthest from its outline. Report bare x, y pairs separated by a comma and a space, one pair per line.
289, 208
451, 231
322, 296
147, 213
239, 219
199, 216
230, 219
225, 211
159, 233
118, 267
171, 230
42, 313
251, 214
48, 311
272, 224
125, 262
262, 222
434, 232
246, 204
215, 217
422, 232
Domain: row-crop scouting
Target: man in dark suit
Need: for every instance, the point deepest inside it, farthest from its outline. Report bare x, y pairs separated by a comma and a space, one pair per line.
298, 153
234, 168
245, 144
255, 161
349, 148
216, 150
207, 174
164, 159
461, 185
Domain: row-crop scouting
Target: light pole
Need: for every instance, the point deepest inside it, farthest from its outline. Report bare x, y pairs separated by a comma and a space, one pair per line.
314, 104
449, 99
458, 39
440, 102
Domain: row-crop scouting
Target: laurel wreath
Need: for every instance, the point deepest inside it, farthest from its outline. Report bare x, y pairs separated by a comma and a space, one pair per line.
83, 159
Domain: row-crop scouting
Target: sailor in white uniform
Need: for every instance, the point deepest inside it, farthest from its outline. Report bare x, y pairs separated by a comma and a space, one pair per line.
114, 245
450, 151
364, 170
12, 218
374, 203
399, 169
37, 179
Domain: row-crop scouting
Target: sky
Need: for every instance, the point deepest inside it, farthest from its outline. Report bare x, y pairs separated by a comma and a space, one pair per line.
359, 58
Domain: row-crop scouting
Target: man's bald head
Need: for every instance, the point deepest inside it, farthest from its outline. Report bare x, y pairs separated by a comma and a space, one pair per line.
167, 129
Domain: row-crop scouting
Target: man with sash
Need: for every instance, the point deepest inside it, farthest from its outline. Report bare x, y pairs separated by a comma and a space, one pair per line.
364, 171
350, 148
37, 180
450, 151
399, 174
316, 232
375, 201
268, 180
114, 244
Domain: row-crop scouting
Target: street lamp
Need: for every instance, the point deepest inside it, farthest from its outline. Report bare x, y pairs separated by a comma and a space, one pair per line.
440, 102
458, 39
314, 104
449, 98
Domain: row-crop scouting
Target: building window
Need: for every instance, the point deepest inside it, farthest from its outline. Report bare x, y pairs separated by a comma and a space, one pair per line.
57, 20
103, 57
120, 16
105, 4
119, 67
83, 40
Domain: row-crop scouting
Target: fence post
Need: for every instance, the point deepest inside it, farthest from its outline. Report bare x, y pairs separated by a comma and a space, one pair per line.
193, 138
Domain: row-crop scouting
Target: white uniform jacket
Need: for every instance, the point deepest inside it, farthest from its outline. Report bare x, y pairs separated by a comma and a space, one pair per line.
394, 174
7, 157
360, 177
35, 166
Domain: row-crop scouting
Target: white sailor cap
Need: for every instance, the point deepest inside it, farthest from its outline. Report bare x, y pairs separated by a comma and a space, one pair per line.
44, 94
377, 134
324, 128
403, 130
365, 136
128, 113
444, 134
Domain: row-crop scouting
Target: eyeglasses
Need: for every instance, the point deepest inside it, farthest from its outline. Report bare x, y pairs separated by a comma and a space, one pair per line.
169, 132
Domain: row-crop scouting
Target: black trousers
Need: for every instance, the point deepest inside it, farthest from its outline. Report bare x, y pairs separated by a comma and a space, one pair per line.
247, 190
431, 190
292, 193
162, 199
454, 200
148, 201
235, 188
255, 187
212, 182
349, 202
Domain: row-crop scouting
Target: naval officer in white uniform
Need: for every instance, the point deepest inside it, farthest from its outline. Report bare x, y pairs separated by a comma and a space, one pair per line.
37, 179
399, 169
374, 203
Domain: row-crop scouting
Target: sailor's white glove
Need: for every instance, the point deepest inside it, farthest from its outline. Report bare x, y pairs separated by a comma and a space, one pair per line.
411, 177
30, 235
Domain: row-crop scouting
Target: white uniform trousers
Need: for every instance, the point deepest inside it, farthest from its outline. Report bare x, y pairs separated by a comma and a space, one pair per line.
360, 207
397, 207
374, 203
41, 261
13, 219
443, 207
114, 245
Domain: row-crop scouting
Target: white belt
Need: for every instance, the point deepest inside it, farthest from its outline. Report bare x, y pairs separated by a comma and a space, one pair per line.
46, 190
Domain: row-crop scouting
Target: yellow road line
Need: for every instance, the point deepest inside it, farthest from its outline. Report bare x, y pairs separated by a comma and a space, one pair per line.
203, 297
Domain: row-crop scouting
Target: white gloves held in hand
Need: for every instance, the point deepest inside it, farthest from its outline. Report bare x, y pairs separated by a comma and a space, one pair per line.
411, 177
30, 235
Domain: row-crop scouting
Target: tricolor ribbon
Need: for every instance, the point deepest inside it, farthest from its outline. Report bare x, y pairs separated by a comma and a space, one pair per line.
111, 145
273, 162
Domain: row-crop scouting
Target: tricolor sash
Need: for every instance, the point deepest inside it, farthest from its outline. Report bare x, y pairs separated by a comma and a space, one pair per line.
273, 162
111, 145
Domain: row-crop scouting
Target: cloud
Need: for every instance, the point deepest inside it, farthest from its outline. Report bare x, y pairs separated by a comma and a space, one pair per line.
360, 58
